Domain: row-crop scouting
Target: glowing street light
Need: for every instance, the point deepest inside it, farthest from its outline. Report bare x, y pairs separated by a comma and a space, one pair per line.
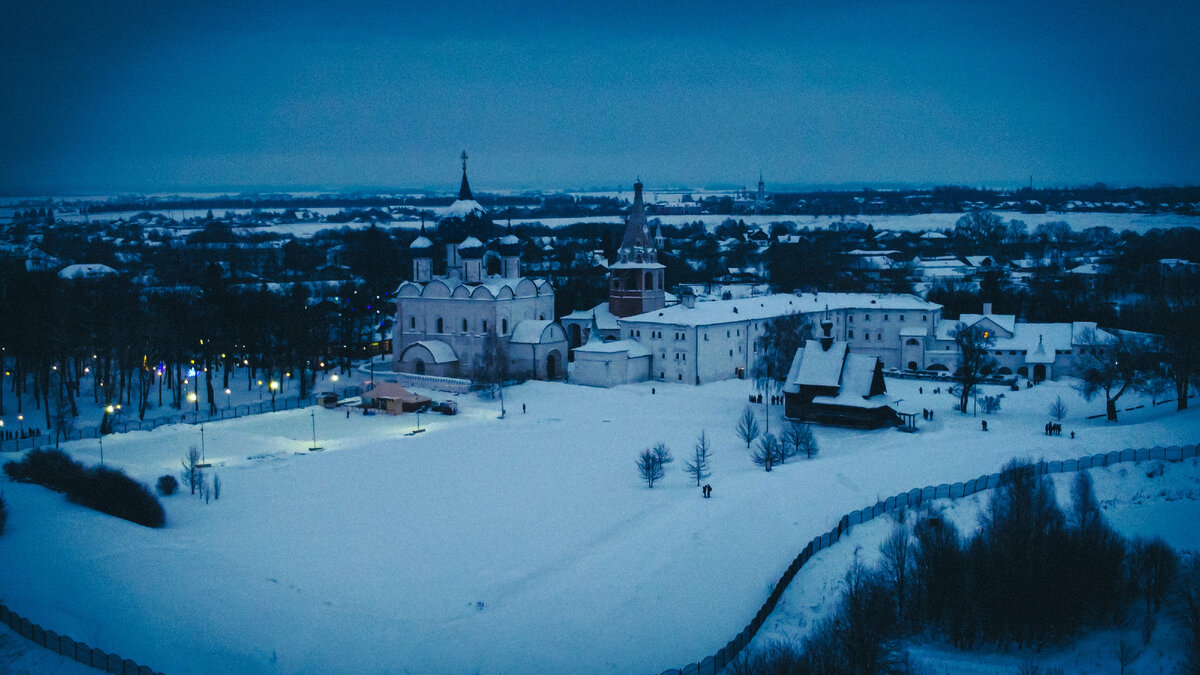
274, 386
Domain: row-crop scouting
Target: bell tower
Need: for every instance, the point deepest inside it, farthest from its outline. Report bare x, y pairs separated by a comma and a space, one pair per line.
636, 279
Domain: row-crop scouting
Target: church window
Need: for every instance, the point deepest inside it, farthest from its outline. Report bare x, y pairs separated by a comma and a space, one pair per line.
649, 281
850, 334
503, 326
866, 317
867, 337
439, 324
850, 318
726, 333
464, 326
412, 321
485, 325
541, 317
739, 332
885, 317
924, 317
731, 352
706, 337
902, 318
879, 336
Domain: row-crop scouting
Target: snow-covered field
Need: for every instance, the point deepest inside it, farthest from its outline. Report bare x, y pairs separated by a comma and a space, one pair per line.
514, 545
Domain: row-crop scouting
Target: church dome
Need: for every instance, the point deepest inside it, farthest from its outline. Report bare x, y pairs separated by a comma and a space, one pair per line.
471, 248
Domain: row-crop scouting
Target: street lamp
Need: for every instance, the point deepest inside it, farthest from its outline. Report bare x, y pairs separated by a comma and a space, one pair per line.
274, 387
227, 400
195, 403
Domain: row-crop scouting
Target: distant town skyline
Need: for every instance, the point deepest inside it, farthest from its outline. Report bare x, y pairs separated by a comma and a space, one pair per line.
141, 96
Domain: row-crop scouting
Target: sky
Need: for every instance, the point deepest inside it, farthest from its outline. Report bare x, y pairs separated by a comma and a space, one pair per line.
164, 95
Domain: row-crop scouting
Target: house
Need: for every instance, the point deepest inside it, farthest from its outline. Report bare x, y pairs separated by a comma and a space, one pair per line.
829, 384
394, 399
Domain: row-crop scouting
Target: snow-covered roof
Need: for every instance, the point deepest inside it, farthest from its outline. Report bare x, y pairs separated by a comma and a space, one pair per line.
604, 318
470, 242
440, 351
776, 305
509, 239
391, 391
85, 271
529, 331
421, 242
819, 367
1003, 321
633, 347
912, 331
462, 208
858, 372
934, 235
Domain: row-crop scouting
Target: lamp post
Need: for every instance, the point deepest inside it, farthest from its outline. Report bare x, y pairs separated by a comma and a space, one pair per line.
1, 433
314, 447
202, 460
274, 387
227, 399
196, 405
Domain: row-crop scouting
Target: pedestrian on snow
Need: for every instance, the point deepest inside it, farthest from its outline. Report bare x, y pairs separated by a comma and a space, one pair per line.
522, 408
1072, 435
984, 422
920, 390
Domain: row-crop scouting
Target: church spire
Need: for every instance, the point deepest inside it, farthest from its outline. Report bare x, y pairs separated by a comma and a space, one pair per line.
635, 229
464, 191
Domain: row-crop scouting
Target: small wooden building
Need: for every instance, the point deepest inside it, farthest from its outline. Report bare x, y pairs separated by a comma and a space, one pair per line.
828, 384
394, 399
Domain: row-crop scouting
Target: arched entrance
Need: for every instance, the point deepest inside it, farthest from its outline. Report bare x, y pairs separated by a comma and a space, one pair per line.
1039, 372
912, 365
552, 361
418, 366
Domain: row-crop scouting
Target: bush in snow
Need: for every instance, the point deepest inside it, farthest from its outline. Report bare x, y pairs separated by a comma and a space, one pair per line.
111, 491
989, 404
167, 485
50, 468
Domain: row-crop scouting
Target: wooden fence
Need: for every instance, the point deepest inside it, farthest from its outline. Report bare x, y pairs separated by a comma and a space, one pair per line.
710, 665
77, 651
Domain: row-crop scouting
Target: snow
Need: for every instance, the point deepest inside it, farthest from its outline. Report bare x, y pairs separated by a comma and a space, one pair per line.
1137, 502
462, 208
490, 545
819, 367
440, 351
85, 271
633, 347
421, 242
529, 331
778, 304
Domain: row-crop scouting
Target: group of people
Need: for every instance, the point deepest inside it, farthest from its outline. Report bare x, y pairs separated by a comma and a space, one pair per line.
32, 432
1055, 429
776, 399
707, 490
927, 414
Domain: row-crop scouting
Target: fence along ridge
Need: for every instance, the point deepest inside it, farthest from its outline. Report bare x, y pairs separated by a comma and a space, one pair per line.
713, 664
65, 646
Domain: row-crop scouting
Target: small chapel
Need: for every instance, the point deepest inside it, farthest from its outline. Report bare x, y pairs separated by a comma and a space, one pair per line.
443, 321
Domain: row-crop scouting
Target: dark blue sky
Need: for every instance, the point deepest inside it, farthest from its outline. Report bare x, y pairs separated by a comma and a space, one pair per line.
163, 95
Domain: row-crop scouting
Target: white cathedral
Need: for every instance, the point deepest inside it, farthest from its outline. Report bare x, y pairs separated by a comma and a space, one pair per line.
443, 321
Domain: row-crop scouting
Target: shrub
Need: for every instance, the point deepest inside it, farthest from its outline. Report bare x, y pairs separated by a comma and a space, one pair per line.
52, 468
167, 485
111, 491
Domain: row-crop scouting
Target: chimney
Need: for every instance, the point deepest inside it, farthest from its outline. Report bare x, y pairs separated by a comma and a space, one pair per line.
687, 298
826, 338
987, 308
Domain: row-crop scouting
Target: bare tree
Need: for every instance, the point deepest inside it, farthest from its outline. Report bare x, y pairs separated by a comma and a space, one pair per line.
747, 427
799, 437
897, 563
973, 348
782, 337
767, 453
649, 468
1112, 366
698, 467
1179, 326
192, 475
1058, 409
492, 368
